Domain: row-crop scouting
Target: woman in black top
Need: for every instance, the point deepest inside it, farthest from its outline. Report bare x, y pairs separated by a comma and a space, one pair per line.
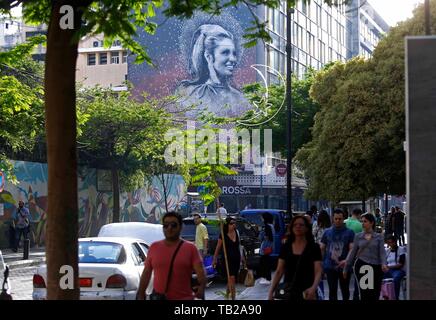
299, 261
232, 243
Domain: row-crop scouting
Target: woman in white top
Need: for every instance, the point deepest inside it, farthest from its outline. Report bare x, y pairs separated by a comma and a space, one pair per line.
396, 260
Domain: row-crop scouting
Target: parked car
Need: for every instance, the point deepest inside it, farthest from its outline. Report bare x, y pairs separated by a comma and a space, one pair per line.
109, 269
280, 222
249, 239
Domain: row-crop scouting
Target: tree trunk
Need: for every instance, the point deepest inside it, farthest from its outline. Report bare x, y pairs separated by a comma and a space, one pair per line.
60, 123
165, 191
116, 195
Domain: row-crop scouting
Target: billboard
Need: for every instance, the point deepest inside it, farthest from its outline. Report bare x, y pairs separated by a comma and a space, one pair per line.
200, 60
420, 166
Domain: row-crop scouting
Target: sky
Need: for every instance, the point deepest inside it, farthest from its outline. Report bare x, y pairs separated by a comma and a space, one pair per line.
394, 11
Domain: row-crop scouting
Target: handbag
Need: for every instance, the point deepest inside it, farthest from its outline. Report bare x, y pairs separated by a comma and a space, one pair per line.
388, 290
249, 279
267, 251
242, 275
163, 296
286, 291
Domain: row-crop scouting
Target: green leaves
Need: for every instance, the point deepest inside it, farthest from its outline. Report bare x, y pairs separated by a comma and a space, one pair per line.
118, 131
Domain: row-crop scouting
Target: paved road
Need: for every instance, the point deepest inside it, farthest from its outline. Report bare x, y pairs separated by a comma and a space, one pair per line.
22, 282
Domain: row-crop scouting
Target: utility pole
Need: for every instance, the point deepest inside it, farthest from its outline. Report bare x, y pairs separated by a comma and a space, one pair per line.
289, 11
427, 17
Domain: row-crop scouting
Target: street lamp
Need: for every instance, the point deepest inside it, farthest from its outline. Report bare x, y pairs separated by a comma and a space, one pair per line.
289, 11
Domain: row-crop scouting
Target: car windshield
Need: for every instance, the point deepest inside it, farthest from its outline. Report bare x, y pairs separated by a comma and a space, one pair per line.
254, 218
101, 252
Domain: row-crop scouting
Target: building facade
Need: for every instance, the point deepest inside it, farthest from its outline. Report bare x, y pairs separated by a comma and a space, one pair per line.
320, 34
97, 65
365, 28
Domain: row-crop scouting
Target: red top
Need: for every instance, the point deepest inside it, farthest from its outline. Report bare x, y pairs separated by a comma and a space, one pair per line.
159, 259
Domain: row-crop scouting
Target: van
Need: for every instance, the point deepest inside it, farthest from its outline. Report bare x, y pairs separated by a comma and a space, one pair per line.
148, 232
281, 219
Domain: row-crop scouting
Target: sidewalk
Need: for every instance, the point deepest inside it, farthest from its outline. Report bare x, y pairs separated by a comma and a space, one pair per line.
15, 259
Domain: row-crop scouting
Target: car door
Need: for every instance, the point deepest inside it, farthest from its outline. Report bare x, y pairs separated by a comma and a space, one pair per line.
138, 258
143, 247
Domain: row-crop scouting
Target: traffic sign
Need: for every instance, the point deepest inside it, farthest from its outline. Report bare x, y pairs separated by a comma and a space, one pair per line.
281, 170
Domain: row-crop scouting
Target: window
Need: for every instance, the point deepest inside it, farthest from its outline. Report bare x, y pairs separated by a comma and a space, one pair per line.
137, 256
95, 44
101, 252
124, 56
115, 57
103, 58
91, 59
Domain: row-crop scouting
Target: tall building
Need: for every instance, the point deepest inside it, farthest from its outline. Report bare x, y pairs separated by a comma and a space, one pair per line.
365, 28
318, 36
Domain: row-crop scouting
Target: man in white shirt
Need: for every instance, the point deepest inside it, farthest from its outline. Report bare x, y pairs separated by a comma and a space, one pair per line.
221, 210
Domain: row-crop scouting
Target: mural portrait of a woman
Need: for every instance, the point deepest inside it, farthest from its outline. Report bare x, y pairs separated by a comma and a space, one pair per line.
214, 57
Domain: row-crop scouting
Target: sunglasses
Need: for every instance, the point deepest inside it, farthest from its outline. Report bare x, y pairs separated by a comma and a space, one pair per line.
173, 225
232, 223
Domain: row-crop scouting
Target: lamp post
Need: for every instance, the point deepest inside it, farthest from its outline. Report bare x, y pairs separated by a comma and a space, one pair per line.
289, 11
427, 17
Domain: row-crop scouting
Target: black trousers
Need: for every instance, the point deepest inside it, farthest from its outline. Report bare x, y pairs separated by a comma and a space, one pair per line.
21, 232
265, 267
370, 287
333, 276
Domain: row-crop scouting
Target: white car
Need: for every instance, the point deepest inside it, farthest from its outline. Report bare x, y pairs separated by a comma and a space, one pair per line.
110, 268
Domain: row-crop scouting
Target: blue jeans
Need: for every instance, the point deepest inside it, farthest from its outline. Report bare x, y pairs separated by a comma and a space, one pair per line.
397, 275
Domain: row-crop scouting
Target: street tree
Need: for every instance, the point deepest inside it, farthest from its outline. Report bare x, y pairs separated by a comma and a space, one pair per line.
21, 103
67, 22
121, 135
271, 112
357, 146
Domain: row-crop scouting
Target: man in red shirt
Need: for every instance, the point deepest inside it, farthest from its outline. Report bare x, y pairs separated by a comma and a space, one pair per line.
186, 260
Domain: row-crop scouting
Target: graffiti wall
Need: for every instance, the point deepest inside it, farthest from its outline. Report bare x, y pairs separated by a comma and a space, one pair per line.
201, 60
95, 206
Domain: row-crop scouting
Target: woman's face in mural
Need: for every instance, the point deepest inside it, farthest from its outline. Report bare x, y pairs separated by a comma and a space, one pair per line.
225, 58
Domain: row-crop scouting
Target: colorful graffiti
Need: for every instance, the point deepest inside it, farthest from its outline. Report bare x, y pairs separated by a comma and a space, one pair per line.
95, 207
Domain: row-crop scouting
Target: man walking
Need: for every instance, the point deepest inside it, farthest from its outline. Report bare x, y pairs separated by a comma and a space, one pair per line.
201, 235
175, 282
22, 220
221, 210
336, 242
353, 222
398, 225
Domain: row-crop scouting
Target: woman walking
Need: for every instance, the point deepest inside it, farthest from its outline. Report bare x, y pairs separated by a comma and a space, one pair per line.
266, 248
300, 263
369, 257
234, 258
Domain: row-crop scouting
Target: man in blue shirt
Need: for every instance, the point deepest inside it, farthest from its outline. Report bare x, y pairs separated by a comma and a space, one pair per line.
22, 220
336, 242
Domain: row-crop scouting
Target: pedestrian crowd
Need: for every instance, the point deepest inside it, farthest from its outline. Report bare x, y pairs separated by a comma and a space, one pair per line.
365, 250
